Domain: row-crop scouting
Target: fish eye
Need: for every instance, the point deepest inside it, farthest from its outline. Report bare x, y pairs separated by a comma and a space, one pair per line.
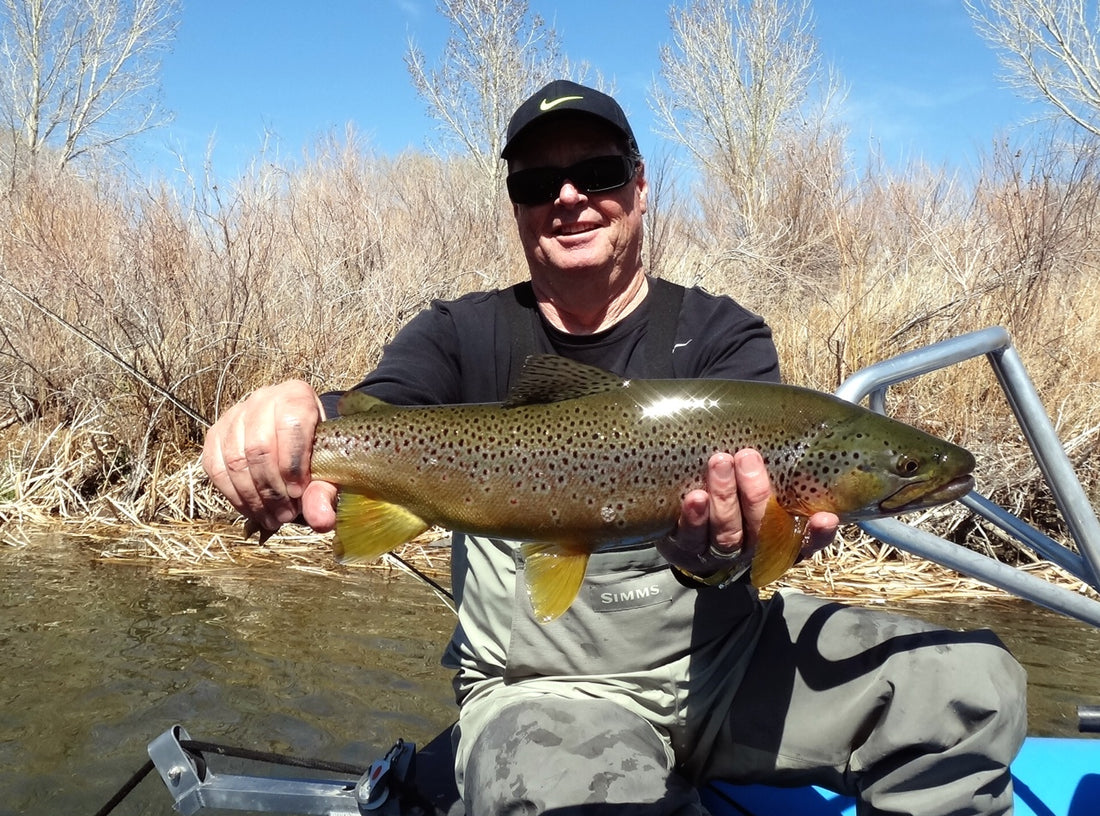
907, 465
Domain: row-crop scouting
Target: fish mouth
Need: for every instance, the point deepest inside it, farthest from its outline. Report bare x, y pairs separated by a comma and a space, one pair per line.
918, 496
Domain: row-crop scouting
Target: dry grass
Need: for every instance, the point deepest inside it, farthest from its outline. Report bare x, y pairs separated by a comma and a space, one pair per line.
856, 569
306, 270
863, 570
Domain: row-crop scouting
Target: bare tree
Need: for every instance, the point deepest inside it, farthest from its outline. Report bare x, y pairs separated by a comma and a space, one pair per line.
1051, 50
496, 55
737, 79
80, 76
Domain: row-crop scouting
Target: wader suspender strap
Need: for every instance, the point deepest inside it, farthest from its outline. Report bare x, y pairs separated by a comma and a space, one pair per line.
519, 305
665, 298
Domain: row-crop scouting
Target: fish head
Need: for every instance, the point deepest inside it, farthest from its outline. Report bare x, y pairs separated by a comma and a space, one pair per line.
870, 466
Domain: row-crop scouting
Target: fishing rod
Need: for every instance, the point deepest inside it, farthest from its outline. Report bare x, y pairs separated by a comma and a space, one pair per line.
176, 402
134, 372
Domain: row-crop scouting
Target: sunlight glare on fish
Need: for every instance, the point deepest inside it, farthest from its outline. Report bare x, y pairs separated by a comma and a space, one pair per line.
672, 405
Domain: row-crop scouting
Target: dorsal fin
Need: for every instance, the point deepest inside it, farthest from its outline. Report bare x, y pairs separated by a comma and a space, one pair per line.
356, 402
550, 378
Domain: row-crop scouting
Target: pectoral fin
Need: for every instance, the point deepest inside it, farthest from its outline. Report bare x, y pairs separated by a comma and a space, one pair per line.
554, 576
366, 528
780, 543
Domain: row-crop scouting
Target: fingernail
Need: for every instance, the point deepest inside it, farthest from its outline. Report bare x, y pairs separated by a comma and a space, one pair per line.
750, 463
723, 468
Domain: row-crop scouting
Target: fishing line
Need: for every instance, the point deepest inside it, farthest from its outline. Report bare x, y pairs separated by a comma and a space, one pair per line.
134, 372
440, 590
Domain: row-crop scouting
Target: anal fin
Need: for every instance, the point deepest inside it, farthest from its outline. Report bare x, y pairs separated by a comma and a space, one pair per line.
554, 576
366, 528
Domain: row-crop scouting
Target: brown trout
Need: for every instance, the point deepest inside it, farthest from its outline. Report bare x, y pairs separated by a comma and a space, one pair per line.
577, 457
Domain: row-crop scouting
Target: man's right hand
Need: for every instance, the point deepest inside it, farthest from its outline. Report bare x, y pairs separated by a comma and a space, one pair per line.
258, 455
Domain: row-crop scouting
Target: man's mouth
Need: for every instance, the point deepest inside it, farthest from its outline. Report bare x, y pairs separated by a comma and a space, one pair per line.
575, 229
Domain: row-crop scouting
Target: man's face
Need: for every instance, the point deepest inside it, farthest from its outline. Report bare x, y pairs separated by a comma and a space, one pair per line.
577, 231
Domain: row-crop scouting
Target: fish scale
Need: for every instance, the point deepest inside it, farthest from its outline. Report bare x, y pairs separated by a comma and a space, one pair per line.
577, 458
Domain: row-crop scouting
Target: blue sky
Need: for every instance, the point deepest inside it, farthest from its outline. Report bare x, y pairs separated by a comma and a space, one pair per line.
243, 73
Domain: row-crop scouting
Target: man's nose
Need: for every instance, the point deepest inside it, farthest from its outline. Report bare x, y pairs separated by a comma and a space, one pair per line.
569, 194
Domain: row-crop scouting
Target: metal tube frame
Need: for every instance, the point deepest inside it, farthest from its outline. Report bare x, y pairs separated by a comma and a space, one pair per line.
872, 382
194, 788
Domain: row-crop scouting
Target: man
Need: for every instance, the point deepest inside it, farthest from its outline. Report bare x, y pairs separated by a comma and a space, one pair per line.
656, 679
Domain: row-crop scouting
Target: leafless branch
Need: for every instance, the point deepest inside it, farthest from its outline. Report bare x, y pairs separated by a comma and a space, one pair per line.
1050, 51
80, 76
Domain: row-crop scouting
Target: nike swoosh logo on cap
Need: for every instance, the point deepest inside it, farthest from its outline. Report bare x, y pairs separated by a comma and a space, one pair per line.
550, 104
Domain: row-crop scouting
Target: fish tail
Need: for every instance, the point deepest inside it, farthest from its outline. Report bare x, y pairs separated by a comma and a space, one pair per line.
780, 542
366, 528
554, 576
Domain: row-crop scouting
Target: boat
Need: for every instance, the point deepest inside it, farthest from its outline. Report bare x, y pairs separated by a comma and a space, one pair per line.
1052, 776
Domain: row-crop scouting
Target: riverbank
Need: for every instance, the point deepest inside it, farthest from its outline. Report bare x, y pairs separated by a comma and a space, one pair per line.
131, 315
855, 569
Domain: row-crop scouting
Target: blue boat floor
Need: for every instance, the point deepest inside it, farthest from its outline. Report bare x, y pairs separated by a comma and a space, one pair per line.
1051, 776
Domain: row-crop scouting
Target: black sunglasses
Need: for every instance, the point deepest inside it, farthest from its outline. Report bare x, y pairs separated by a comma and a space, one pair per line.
540, 185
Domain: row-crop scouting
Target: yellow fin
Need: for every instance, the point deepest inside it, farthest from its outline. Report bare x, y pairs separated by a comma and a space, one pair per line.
366, 528
554, 576
781, 537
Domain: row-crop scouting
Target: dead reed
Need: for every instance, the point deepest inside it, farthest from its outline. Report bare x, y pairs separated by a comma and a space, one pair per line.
306, 269
856, 569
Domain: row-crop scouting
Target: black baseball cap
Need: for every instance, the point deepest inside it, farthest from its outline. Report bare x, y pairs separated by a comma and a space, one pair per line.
561, 96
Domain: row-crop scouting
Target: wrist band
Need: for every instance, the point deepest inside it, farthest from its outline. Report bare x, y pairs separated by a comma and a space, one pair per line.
719, 580
723, 555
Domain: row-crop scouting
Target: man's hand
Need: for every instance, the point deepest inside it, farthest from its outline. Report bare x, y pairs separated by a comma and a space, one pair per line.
258, 455
719, 527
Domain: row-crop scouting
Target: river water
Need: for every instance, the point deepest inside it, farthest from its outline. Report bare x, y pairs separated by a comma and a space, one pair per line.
96, 659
